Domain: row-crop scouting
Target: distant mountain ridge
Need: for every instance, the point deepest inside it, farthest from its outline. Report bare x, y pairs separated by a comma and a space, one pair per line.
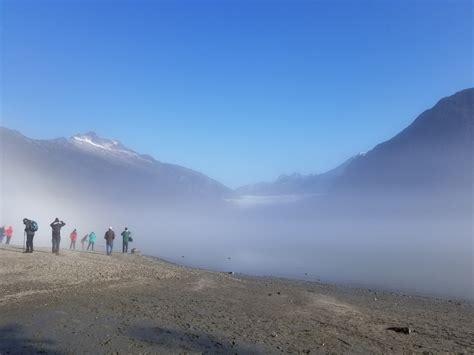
90, 165
435, 151
297, 183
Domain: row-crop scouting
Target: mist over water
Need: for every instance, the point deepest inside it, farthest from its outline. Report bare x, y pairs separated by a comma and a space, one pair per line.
418, 255
423, 257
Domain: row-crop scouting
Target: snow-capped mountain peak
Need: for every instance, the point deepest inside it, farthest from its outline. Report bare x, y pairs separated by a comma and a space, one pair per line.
88, 140
94, 140
94, 144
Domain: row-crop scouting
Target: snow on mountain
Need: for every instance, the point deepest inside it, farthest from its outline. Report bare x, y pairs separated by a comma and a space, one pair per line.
88, 165
88, 140
93, 139
92, 143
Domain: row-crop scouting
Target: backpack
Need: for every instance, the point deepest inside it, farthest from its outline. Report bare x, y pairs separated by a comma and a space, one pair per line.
33, 226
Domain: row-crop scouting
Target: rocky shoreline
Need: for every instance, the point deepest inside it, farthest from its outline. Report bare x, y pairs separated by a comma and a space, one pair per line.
89, 302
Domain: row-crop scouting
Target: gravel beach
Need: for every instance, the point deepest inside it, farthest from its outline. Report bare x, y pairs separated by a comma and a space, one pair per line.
89, 302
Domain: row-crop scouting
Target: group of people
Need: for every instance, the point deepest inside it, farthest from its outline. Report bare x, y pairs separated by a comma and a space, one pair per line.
31, 227
109, 237
6, 232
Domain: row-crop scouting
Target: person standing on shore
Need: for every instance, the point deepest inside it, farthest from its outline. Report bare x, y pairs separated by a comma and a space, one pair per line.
84, 240
2, 233
126, 234
31, 227
73, 237
92, 238
9, 233
56, 227
109, 238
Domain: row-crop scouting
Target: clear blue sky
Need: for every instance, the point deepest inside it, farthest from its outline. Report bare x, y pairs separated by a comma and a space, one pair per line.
242, 91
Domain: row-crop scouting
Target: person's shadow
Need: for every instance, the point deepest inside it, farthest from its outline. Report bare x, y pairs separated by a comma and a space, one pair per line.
14, 341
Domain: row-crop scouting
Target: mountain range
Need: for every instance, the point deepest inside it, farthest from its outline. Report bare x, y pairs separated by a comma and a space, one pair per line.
87, 164
434, 152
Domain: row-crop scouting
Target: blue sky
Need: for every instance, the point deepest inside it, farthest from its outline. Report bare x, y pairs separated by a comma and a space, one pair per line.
242, 91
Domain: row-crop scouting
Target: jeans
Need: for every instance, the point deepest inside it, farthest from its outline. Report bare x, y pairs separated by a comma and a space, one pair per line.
125, 247
56, 240
8, 240
110, 246
73, 245
29, 243
91, 244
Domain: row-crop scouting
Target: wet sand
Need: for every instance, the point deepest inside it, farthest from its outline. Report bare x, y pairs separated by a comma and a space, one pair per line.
89, 302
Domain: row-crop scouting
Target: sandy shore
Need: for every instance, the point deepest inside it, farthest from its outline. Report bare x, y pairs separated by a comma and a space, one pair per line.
90, 302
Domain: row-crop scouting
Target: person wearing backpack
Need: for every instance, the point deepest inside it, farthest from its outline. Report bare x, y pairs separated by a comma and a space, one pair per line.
127, 236
31, 227
92, 238
73, 238
56, 228
109, 238
9, 233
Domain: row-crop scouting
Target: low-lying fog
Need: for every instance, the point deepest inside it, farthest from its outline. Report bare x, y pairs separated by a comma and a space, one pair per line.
425, 255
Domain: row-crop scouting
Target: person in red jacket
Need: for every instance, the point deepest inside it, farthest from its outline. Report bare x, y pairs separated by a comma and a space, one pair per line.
73, 237
9, 233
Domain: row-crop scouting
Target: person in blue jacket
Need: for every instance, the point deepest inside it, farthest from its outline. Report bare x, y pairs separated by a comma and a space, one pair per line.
92, 238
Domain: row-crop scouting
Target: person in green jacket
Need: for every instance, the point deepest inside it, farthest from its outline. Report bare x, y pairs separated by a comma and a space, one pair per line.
126, 234
92, 238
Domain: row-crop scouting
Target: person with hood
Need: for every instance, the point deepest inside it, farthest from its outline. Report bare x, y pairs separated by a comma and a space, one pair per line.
9, 233
56, 228
84, 240
73, 237
126, 234
30, 229
2, 233
92, 239
109, 238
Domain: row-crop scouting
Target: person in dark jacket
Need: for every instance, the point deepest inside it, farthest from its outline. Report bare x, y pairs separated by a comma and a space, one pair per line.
56, 228
30, 234
126, 238
109, 238
84, 240
2, 233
